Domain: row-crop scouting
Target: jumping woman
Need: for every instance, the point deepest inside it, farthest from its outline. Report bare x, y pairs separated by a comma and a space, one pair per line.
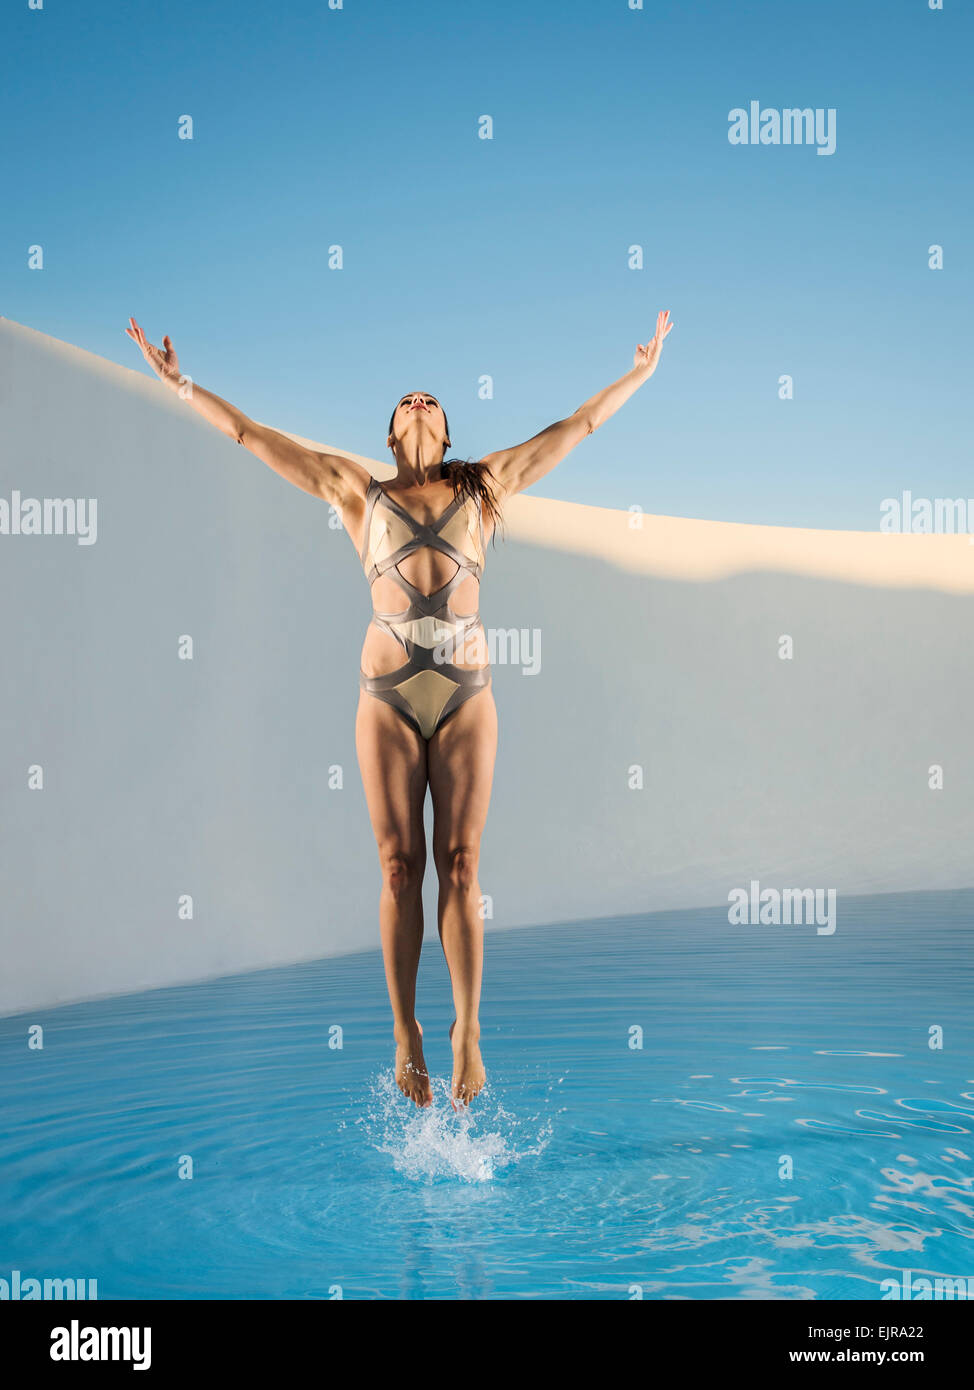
427, 720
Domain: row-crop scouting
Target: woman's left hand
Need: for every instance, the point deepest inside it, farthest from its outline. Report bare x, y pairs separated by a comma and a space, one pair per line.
647, 357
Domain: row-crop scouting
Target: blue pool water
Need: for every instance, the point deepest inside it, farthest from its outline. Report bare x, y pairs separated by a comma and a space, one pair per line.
589, 1169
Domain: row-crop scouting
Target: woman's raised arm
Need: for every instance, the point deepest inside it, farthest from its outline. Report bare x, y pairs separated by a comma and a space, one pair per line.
330, 477
517, 468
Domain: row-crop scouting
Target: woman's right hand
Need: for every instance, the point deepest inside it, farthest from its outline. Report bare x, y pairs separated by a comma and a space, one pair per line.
164, 364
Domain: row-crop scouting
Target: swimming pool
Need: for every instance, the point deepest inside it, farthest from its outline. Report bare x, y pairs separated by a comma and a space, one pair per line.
592, 1168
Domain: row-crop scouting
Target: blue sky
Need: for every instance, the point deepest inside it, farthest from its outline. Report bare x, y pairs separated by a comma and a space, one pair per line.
508, 257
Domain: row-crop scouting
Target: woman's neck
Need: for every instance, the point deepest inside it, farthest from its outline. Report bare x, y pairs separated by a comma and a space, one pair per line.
416, 471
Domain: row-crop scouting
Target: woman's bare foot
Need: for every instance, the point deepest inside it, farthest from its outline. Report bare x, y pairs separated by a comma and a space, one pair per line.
469, 1076
412, 1078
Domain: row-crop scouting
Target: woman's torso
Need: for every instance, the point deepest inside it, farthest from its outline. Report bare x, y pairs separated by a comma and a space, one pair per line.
442, 539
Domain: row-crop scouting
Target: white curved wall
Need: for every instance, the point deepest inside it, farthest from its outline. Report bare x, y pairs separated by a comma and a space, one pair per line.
659, 648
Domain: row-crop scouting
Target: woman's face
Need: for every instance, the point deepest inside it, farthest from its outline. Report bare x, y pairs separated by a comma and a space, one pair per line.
421, 414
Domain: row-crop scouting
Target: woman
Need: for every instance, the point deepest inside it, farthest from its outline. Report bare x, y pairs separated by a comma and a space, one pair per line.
429, 720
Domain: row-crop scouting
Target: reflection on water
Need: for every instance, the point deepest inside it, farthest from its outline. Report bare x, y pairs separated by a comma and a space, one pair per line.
784, 1131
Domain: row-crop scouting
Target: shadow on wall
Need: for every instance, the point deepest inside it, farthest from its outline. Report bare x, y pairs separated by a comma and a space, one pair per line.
232, 777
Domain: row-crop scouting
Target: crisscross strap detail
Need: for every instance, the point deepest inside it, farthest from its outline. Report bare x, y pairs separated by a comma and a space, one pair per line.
428, 688
429, 620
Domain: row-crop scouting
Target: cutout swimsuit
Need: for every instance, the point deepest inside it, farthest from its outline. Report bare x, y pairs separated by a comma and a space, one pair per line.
426, 689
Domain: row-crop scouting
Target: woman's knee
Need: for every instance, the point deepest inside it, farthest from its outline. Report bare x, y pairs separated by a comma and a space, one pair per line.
457, 864
402, 866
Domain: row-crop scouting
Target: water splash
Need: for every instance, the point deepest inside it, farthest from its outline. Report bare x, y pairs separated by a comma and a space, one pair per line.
472, 1144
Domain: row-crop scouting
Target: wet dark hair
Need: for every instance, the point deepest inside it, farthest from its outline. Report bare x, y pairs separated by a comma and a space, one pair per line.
470, 478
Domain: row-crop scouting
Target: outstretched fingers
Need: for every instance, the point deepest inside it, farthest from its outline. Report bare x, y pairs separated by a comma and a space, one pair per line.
138, 336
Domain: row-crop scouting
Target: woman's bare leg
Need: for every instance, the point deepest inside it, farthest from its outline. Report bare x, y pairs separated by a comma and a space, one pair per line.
392, 760
460, 758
